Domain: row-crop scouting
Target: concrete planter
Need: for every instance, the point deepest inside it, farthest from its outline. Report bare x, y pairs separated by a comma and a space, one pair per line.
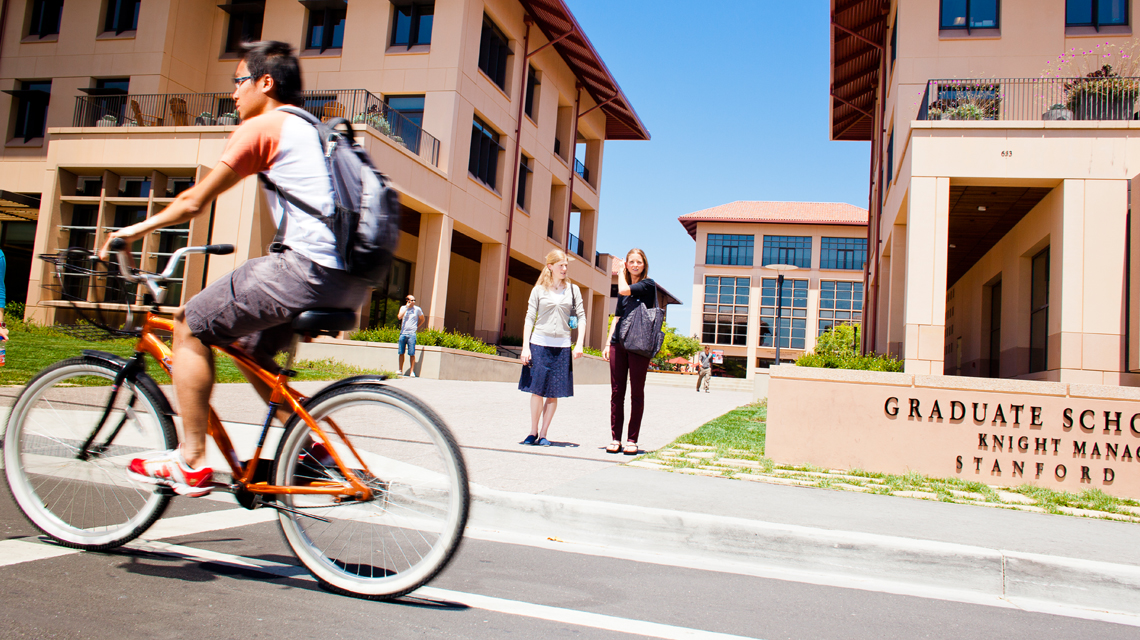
1090, 106
441, 363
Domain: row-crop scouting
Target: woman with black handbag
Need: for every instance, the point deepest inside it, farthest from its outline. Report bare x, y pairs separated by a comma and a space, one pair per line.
554, 310
634, 289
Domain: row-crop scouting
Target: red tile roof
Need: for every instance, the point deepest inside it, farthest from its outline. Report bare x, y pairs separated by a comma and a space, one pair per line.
777, 213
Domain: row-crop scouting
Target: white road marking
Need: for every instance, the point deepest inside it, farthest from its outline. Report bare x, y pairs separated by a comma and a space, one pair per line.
17, 551
29, 549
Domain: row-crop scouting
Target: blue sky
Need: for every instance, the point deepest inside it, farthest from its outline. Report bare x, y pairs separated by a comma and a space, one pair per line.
735, 99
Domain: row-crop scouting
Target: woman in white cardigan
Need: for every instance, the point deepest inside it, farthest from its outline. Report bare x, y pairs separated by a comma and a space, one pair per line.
555, 307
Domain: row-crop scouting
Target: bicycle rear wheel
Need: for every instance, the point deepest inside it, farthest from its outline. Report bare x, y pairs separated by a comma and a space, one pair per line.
408, 531
85, 503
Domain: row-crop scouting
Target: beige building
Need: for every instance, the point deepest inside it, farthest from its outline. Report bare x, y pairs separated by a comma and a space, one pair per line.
490, 117
735, 297
1002, 181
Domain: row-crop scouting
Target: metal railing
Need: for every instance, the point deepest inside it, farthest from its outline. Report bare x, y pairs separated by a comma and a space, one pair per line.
577, 246
205, 109
581, 170
1090, 98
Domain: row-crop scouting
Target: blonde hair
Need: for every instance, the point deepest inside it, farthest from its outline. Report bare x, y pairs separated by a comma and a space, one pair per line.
546, 278
644, 260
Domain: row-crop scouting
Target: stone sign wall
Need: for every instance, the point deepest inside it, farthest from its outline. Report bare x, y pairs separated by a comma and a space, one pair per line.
1068, 437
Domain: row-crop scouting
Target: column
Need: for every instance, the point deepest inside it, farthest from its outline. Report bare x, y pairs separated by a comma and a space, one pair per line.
433, 264
1085, 340
896, 303
927, 228
489, 306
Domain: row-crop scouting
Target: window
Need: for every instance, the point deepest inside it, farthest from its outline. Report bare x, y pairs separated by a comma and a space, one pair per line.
970, 14
729, 249
725, 315
389, 297
894, 40
326, 28
485, 148
411, 24
493, 53
80, 234
524, 179
995, 330
122, 15
409, 127
1039, 313
246, 19
890, 160
45, 18
531, 87
134, 188
1096, 13
175, 186
88, 186
842, 253
793, 313
839, 303
31, 106
794, 250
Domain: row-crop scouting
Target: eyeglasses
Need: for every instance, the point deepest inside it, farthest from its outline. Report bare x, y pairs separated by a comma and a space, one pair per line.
238, 81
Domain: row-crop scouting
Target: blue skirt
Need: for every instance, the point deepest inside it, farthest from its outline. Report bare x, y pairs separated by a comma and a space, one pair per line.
549, 373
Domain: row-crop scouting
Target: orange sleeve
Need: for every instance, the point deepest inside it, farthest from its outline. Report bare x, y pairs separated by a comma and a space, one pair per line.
253, 146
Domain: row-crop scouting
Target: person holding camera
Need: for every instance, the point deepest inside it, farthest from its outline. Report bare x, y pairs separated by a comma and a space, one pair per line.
554, 310
412, 319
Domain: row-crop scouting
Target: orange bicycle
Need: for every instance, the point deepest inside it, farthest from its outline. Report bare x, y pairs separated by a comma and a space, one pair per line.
368, 482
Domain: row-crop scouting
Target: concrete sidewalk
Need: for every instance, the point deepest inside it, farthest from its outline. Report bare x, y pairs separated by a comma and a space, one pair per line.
577, 494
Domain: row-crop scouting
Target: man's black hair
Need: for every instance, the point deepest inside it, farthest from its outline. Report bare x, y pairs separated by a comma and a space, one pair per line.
276, 60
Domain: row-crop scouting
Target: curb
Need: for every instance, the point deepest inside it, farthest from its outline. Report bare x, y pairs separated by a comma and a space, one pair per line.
1071, 582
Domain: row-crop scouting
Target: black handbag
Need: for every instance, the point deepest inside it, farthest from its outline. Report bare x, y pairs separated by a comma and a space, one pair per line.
640, 331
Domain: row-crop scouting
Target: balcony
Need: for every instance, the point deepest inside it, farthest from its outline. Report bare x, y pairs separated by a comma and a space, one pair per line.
208, 109
581, 170
1095, 98
577, 246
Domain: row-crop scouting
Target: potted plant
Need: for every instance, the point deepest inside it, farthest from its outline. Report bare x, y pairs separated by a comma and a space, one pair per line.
1057, 112
228, 119
1102, 95
967, 112
107, 121
205, 118
374, 120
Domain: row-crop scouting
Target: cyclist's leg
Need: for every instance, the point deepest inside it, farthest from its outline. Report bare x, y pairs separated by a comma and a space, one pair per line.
193, 382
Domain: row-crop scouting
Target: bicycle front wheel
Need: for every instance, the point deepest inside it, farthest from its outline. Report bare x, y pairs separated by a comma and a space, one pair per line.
85, 500
408, 531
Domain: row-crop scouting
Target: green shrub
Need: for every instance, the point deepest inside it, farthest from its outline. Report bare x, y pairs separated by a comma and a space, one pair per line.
426, 338
14, 311
511, 341
838, 349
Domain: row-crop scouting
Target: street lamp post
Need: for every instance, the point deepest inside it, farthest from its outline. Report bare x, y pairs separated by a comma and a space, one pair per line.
779, 269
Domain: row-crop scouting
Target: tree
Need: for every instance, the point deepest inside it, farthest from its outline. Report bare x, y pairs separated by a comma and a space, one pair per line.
676, 345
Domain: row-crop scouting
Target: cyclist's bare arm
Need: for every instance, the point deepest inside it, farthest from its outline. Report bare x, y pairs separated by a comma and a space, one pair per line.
186, 206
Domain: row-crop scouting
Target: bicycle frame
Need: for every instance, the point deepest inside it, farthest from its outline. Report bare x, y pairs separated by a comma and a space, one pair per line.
282, 396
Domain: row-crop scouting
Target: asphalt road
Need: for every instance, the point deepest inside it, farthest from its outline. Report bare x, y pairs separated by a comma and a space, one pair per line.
493, 589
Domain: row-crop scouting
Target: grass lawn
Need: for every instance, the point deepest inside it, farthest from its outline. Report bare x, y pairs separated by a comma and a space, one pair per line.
31, 348
732, 446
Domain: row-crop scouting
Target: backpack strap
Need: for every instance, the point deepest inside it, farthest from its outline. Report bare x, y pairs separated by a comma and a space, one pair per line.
285, 195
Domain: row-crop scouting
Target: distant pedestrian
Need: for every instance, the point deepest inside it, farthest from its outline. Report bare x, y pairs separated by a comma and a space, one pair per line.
705, 361
555, 307
412, 319
634, 287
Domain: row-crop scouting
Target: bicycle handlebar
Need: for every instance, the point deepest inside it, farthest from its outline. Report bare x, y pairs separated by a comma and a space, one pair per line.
120, 246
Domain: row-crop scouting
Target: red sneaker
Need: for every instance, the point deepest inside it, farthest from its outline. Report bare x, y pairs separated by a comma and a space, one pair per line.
169, 469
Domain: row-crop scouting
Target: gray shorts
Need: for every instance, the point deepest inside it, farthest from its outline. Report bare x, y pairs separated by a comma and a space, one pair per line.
254, 305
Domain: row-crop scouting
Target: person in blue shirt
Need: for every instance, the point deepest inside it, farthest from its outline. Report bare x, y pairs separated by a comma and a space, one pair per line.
3, 297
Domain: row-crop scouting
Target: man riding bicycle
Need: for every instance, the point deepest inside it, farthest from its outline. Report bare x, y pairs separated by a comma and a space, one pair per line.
253, 305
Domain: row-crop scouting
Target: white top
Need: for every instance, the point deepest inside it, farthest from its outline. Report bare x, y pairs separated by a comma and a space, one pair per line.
411, 322
548, 313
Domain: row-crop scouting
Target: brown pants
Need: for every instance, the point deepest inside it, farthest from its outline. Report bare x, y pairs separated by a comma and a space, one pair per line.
623, 363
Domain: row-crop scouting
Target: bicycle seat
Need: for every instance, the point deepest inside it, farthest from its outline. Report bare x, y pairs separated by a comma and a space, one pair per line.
324, 322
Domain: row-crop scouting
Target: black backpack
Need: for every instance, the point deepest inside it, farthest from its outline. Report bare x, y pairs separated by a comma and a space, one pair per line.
366, 222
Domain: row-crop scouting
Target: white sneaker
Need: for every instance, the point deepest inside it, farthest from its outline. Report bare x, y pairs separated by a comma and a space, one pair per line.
411, 374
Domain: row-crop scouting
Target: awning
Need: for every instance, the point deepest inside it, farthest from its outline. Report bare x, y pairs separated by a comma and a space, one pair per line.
237, 8
103, 91
18, 207
29, 94
858, 38
553, 17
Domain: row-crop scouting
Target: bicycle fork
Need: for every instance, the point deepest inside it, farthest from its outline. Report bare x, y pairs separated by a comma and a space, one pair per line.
134, 365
